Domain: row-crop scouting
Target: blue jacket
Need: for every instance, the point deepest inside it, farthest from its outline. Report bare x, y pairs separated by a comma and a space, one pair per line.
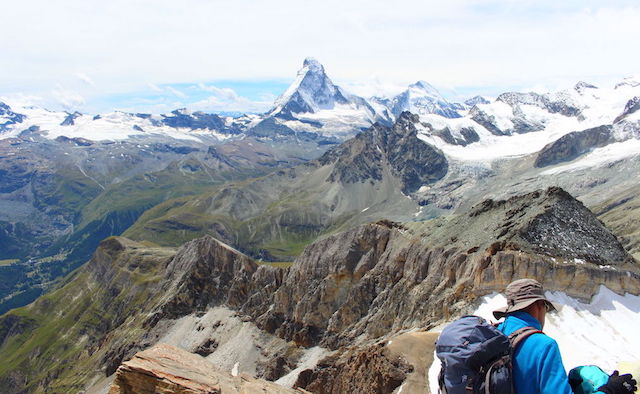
538, 367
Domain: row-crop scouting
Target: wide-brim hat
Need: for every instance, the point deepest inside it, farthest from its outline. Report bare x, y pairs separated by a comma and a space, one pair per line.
522, 293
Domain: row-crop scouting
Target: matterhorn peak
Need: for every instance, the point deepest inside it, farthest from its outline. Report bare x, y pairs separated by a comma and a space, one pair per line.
312, 91
313, 65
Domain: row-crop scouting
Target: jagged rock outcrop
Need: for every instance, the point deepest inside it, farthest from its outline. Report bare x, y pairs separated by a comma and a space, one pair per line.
572, 145
70, 119
398, 148
519, 122
380, 367
168, 369
372, 369
206, 272
8, 117
553, 104
631, 107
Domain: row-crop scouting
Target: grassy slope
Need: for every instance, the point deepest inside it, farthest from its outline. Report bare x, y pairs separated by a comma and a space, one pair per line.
101, 296
179, 220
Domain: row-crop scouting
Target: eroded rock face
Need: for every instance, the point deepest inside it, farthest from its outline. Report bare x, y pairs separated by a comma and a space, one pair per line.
396, 149
205, 272
551, 223
168, 369
369, 370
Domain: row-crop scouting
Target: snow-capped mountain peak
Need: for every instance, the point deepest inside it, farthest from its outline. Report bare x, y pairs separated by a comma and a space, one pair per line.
633, 81
8, 117
424, 89
311, 91
312, 65
582, 86
422, 98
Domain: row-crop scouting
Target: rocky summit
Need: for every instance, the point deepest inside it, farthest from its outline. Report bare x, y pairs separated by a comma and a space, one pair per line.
352, 293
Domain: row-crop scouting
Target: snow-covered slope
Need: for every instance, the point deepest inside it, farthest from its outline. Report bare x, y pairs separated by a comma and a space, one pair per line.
601, 332
180, 124
518, 124
422, 99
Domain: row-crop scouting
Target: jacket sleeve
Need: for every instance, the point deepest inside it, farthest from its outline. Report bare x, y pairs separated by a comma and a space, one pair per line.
551, 373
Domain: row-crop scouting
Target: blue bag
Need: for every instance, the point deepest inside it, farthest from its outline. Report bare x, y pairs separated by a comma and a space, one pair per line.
587, 379
476, 357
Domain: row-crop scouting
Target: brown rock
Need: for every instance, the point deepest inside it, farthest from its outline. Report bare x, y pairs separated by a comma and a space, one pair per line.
372, 369
167, 369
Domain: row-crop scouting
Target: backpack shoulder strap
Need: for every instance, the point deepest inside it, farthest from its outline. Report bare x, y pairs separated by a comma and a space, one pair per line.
519, 335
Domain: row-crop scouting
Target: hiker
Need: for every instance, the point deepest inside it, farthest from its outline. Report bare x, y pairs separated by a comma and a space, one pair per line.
537, 365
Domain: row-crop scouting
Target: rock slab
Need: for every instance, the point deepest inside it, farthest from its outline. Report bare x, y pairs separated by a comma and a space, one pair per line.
167, 369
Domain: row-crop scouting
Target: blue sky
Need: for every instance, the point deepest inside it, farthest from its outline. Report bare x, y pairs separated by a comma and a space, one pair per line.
223, 55
253, 96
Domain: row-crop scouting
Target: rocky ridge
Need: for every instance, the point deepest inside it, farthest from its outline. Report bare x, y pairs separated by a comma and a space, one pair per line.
347, 292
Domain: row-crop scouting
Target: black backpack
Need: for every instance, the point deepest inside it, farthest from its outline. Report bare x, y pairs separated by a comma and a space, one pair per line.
476, 357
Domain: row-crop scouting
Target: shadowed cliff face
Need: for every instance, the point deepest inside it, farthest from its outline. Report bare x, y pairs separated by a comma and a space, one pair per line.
573, 145
346, 290
398, 148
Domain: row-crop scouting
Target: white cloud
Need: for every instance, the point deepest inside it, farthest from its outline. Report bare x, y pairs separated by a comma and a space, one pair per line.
154, 87
176, 92
226, 93
127, 45
239, 104
85, 78
69, 100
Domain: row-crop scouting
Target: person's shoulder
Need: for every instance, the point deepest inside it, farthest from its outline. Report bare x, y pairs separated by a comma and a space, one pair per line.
543, 340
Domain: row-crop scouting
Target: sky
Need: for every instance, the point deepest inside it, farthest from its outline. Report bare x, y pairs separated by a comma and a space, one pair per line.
239, 55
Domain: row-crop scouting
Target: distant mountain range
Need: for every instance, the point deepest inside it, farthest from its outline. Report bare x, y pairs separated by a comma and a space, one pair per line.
321, 160
314, 105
